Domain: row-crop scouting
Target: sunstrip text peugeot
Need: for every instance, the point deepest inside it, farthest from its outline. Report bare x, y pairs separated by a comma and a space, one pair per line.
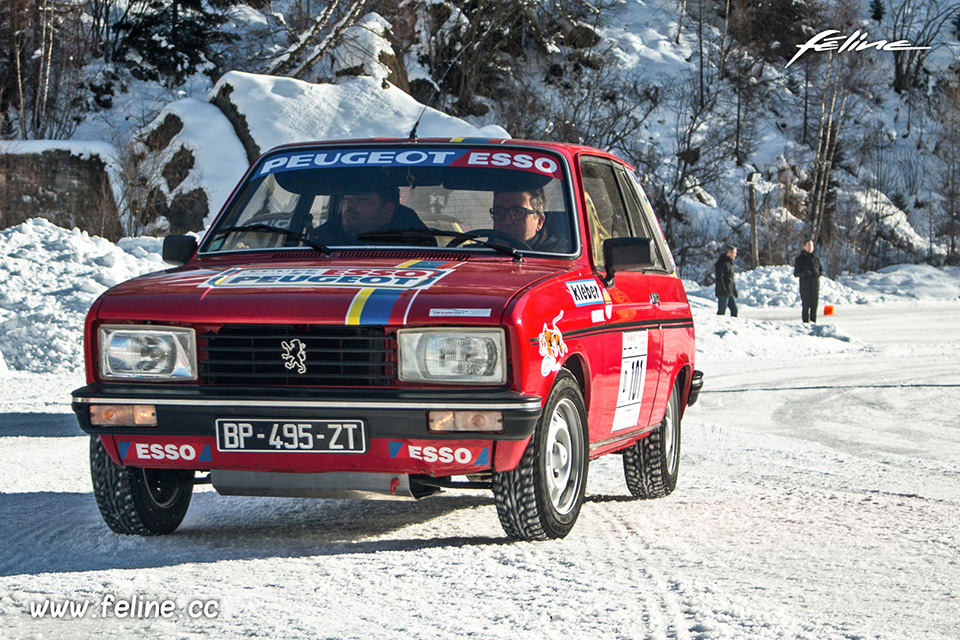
391, 318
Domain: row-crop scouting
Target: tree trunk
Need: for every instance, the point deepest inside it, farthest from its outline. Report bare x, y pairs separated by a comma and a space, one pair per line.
683, 10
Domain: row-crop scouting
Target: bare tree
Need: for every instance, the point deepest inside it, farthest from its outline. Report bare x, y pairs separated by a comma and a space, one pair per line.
327, 30
39, 78
948, 182
696, 166
918, 22
601, 109
839, 83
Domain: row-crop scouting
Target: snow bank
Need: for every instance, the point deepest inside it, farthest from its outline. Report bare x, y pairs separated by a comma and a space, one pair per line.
914, 281
284, 110
51, 277
722, 338
777, 287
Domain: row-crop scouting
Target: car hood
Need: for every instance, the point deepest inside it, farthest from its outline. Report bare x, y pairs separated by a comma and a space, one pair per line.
347, 291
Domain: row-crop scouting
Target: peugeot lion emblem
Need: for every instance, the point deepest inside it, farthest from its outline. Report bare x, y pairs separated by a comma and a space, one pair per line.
295, 355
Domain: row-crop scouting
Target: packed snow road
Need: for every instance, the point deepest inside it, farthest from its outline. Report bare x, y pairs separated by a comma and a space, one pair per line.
818, 498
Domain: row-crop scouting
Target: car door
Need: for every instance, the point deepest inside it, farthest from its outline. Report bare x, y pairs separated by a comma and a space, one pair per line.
664, 283
633, 333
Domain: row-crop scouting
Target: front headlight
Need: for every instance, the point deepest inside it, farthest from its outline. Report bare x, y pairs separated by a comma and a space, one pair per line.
129, 352
455, 355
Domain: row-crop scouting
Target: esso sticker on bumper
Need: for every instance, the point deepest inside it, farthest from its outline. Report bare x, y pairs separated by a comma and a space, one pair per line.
134, 451
441, 454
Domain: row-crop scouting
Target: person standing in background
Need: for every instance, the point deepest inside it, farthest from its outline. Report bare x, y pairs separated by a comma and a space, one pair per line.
807, 267
726, 287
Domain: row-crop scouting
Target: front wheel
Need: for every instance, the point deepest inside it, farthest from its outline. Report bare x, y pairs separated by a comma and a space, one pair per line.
541, 498
134, 501
651, 465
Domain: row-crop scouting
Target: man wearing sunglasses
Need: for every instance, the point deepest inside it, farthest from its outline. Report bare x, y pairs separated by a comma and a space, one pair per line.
521, 214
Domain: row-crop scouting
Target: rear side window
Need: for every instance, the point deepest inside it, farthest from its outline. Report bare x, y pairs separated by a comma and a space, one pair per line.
606, 213
641, 217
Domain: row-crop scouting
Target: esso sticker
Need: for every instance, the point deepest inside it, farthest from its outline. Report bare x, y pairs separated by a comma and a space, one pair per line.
164, 451
441, 454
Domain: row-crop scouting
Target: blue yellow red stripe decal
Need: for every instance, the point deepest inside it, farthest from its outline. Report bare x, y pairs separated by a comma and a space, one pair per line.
374, 306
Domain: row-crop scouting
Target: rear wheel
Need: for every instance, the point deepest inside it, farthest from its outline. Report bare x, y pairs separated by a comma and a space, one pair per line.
651, 465
541, 498
145, 502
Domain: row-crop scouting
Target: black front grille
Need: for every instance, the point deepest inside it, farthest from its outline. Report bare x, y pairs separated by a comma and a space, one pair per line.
254, 355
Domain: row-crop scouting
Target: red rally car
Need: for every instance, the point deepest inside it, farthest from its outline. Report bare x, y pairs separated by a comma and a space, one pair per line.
390, 318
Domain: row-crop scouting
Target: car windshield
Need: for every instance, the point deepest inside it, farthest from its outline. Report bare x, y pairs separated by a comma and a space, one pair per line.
511, 200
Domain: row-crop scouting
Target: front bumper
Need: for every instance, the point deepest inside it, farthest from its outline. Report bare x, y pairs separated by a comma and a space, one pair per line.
395, 426
394, 413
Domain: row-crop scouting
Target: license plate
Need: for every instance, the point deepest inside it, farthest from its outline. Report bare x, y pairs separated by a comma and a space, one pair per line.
304, 436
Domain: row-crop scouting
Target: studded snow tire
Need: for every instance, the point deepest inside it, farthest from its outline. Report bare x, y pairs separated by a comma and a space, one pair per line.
541, 498
135, 501
651, 465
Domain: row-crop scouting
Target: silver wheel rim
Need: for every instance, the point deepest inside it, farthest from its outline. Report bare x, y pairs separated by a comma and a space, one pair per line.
670, 439
564, 456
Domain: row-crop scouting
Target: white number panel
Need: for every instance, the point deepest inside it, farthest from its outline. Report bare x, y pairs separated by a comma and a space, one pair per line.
633, 372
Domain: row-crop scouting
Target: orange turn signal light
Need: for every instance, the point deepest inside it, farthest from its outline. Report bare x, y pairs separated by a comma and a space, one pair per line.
487, 421
123, 415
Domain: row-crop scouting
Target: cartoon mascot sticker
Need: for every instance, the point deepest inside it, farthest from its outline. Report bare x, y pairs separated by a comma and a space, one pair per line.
552, 347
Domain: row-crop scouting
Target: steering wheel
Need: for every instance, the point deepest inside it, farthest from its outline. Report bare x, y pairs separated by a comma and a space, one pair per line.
513, 240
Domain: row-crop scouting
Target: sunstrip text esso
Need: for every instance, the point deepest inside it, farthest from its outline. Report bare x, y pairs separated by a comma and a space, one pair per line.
502, 159
479, 329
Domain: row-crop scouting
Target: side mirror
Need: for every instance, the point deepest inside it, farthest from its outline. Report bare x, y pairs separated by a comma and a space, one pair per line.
178, 250
625, 254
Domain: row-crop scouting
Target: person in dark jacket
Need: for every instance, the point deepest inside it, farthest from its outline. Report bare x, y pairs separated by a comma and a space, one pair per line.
726, 287
368, 213
807, 267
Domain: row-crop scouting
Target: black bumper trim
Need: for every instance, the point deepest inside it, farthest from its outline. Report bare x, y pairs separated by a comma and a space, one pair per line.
392, 413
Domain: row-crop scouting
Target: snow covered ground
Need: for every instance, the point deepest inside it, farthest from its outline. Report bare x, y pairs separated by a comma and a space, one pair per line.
818, 497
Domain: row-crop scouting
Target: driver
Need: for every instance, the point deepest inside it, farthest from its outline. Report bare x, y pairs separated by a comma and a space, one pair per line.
521, 214
368, 212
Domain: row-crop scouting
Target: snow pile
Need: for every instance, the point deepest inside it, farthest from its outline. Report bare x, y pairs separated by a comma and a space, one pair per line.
51, 277
777, 287
284, 110
724, 338
915, 281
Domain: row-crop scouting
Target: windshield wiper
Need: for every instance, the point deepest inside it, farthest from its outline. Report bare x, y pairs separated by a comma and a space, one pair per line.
259, 226
421, 233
